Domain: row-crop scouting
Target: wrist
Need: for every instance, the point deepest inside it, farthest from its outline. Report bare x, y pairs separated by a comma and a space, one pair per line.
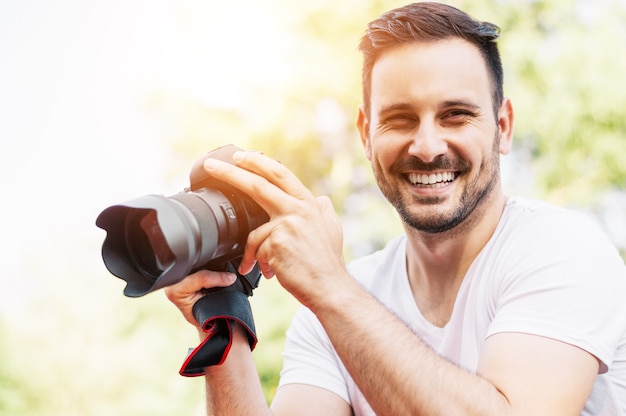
343, 290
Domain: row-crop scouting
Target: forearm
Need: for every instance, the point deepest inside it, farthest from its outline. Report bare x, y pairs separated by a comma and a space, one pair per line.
233, 388
386, 359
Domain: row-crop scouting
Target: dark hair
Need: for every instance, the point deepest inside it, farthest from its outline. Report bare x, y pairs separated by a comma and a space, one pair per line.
429, 22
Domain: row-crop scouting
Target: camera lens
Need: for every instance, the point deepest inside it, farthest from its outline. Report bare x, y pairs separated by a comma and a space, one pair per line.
147, 246
155, 241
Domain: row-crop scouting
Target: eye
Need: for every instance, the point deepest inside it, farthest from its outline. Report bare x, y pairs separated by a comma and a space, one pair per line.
400, 122
459, 113
457, 116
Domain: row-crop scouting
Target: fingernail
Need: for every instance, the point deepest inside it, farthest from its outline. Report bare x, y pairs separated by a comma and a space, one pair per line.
211, 164
238, 155
241, 154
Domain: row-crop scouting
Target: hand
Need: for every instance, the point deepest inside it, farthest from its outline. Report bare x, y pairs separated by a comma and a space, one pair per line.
187, 292
302, 244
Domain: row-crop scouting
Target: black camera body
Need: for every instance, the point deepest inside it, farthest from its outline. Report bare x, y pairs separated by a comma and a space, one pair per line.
155, 241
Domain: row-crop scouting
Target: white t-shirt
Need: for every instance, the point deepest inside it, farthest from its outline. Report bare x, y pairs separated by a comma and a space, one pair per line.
545, 271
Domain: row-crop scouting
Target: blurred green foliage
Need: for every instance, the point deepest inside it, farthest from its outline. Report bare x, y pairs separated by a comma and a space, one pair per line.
565, 62
564, 69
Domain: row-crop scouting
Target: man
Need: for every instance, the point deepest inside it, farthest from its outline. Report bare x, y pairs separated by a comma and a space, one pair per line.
489, 305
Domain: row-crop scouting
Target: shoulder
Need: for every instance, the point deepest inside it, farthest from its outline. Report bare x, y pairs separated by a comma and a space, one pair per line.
539, 236
534, 211
537, 211
555, 273
540, 225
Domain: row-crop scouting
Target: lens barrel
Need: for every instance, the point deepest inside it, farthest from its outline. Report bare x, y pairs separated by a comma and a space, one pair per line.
156, 241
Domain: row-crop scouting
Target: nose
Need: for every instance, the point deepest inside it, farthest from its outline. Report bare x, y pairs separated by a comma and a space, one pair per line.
428, 142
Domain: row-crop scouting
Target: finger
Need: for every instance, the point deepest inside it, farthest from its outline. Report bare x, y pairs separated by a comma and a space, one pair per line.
328, 209
274, 171
254, 240
325, 203
188, 290
186, 293
266, 269
204, 279
273, 198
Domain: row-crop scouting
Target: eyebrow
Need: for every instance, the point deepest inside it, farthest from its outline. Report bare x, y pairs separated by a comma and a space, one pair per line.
395, 107
446, 104
460, 103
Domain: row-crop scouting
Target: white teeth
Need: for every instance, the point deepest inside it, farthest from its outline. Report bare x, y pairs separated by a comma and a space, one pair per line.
432, 179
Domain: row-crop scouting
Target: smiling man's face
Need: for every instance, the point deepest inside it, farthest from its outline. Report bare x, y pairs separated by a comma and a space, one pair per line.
432, 136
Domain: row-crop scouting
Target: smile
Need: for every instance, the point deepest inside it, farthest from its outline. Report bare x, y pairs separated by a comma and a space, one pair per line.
435, 179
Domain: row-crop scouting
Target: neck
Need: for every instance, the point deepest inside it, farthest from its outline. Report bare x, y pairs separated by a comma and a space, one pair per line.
437, 263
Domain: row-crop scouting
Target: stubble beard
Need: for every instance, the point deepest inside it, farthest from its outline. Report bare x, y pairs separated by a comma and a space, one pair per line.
439, 219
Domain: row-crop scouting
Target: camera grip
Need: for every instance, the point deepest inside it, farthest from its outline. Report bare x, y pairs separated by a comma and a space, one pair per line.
217, 311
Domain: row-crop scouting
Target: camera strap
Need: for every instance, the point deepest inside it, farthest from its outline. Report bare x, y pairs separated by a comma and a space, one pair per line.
217, 311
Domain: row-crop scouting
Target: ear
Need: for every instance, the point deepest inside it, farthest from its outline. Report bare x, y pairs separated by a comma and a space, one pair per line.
506, 119
363, 126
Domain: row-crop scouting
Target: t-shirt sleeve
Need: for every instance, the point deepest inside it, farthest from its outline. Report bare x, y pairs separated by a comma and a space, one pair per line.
309, 357
570, 286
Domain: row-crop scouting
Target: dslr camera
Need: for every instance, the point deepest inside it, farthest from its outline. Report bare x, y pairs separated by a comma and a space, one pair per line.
155, 241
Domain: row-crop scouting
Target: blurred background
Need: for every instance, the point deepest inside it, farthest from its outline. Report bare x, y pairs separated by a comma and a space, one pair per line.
105, 101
